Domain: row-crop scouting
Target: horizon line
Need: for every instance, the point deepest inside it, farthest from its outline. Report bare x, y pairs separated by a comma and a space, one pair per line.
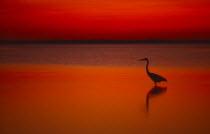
101, 41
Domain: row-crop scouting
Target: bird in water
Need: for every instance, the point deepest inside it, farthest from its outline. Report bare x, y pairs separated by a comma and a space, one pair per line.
156, 78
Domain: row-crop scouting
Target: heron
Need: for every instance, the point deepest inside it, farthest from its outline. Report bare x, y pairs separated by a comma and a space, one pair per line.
155, 77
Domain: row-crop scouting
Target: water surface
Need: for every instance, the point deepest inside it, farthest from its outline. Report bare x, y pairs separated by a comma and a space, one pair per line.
92, 89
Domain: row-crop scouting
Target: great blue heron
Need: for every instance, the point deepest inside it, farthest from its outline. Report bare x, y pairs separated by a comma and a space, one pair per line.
153, 76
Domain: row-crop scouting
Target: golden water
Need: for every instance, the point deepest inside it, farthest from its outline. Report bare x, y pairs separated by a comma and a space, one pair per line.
96, 97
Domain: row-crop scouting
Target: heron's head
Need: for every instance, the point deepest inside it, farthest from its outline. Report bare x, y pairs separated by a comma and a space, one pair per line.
145, 59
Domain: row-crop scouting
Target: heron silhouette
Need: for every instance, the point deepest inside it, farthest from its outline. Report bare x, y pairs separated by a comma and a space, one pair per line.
156, 78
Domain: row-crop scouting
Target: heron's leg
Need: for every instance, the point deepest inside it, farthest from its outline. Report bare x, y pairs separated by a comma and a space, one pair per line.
155, 84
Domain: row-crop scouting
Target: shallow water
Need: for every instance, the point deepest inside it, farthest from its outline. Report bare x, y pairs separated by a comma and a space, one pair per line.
92, 89
173, 55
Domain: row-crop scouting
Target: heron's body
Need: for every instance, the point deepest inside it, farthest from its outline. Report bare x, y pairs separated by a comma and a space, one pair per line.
153, 76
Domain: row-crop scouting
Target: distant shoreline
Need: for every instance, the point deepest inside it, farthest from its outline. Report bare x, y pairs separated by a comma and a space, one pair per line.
103, 41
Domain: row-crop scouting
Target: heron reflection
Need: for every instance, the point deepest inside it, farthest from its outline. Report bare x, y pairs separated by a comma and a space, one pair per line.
155, 91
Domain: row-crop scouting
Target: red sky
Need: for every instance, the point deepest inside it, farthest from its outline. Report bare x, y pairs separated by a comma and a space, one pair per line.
104, 19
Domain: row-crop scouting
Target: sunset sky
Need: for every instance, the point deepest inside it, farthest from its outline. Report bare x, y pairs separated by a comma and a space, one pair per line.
104, 19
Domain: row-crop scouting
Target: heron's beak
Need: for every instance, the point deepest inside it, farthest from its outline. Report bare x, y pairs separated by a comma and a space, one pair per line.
141, 60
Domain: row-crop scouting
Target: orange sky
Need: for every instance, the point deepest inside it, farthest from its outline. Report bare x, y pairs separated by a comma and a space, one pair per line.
104, 19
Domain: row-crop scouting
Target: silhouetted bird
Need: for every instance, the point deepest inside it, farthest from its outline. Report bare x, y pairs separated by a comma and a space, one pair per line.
153, 76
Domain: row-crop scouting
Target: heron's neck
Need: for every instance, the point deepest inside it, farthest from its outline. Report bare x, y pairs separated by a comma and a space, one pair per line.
147, 67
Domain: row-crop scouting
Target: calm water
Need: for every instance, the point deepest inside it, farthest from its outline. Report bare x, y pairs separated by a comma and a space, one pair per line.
103, 89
